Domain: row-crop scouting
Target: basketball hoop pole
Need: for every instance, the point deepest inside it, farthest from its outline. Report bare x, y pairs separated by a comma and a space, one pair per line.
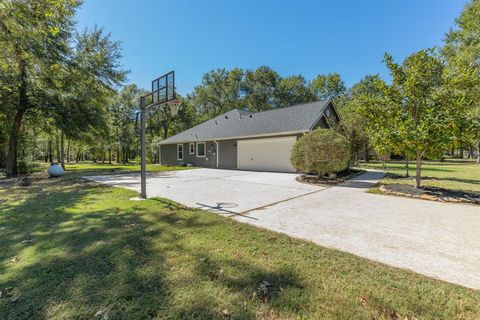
143, 165
163, 91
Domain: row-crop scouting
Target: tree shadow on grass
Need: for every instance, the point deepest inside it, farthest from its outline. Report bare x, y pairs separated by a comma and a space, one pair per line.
94, 254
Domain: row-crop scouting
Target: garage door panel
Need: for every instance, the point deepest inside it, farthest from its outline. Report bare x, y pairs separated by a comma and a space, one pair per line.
269, 154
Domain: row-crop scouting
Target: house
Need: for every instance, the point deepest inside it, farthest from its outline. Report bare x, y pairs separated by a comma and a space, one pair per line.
247, 140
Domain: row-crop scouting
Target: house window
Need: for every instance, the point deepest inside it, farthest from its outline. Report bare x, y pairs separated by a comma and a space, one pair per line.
192, 148
179, 151
201, 149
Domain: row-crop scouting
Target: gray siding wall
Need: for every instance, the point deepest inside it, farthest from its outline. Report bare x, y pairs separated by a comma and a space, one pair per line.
228, 154
227, 157
168, 155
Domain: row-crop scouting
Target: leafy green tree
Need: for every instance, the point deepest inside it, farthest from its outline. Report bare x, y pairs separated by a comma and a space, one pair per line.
186, 117
325, 86
462, 53
85, 88
123, 112
34, 39
416, 114
259, 88
372, 103
354, 122
219, 92
292, 90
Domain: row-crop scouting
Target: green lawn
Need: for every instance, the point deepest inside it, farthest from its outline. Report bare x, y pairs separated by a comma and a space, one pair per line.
91, 167
94, 251
451, 174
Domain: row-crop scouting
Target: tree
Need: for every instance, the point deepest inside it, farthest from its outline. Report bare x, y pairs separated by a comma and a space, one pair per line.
85, 87
462, 53
327, 86
123, 111
354, 122
292, 90
259, 88
34, 37
219, 92
416, 114
64, 79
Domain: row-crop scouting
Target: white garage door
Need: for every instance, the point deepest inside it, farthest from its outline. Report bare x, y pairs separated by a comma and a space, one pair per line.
270, 154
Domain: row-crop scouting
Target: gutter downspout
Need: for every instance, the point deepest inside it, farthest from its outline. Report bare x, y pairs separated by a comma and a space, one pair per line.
217, 150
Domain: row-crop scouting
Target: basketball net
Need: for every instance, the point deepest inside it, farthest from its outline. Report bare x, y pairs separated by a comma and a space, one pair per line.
173, 105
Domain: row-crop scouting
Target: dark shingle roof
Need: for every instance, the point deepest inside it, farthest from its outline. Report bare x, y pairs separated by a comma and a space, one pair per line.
238, 123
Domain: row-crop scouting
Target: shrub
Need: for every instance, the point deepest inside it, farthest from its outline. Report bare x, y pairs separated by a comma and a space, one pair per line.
321, 152
24, 167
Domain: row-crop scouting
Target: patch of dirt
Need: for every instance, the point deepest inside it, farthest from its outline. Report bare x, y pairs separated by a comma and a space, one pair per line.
338, 178
431, 193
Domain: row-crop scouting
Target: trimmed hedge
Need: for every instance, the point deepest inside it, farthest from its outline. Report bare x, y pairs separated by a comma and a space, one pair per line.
321, 152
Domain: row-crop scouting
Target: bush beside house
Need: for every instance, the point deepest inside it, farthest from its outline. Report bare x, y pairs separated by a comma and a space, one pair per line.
321, 152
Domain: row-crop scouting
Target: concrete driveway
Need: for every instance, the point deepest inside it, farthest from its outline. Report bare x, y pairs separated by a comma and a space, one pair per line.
221, 191
436, 239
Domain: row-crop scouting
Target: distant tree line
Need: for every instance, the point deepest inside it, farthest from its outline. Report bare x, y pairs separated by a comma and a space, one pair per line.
63, 95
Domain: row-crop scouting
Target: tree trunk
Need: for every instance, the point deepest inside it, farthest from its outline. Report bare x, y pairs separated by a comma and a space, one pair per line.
46, 152
366, 154
50, 152
109, 155
57, 145
418, 171
21, 109
461, 153
407, 168
68, 151
13, 143
62, 149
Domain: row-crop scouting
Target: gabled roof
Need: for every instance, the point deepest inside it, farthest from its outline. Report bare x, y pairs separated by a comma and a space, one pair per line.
239, 123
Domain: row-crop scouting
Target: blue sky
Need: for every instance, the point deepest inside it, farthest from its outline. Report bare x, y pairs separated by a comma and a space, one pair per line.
292, 37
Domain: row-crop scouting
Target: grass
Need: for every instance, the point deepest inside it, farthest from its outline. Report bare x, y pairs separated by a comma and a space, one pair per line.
453, 174
90, 166
95, 252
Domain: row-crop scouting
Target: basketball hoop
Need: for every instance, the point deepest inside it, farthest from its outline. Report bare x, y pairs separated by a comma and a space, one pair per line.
174, 105
162, 95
